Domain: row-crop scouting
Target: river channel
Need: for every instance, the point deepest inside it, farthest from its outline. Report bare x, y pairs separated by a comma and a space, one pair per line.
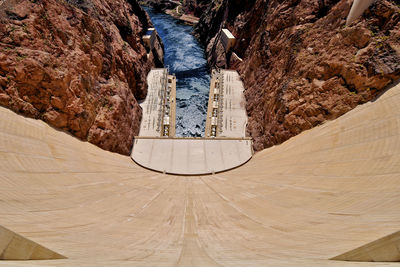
185, 58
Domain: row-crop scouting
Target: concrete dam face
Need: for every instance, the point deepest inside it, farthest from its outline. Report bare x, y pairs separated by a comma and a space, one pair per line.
325, 192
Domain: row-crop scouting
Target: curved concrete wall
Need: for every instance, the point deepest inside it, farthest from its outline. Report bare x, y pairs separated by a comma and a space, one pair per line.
324, 192
358, 8
191, 156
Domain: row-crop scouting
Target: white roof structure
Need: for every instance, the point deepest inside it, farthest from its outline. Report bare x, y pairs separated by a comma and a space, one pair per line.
228, 40
188, 156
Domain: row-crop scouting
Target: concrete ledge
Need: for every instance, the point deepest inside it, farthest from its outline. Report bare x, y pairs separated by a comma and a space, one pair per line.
16, 247
190, 156
385, 249
195, 138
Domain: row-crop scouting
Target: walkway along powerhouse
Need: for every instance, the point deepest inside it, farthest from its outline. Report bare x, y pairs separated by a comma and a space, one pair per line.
225, 145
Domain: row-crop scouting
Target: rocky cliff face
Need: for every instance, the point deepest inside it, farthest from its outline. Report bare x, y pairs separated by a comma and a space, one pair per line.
160, 5
195, 7
299, 62
79, 65
188, 7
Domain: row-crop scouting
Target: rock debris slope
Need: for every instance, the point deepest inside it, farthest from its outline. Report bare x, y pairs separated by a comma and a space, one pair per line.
78, 65
300, 63
322, 193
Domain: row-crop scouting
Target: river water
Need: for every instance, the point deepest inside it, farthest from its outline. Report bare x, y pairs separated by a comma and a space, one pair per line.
186, 59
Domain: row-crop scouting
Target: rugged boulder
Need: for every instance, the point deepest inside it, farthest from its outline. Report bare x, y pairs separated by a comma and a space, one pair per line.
299, 62
79, 65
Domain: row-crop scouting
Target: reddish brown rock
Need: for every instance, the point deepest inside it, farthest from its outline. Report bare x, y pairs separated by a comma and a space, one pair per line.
78, 65
187, 7
301, 65
195, 7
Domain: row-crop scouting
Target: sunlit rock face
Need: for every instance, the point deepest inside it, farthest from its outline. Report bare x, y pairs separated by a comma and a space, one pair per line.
78, 65
300, 63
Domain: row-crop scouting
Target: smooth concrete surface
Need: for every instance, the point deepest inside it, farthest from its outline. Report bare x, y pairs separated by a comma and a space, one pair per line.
386, 249
322, 193
16, 247
191, 156
357, 9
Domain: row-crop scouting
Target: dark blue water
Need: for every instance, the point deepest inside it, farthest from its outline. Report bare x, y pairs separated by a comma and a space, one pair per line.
185, 57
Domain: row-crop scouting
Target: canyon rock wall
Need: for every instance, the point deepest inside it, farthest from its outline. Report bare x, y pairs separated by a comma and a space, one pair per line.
160, 5
195, 7
79, 65
301, 65
188, 7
